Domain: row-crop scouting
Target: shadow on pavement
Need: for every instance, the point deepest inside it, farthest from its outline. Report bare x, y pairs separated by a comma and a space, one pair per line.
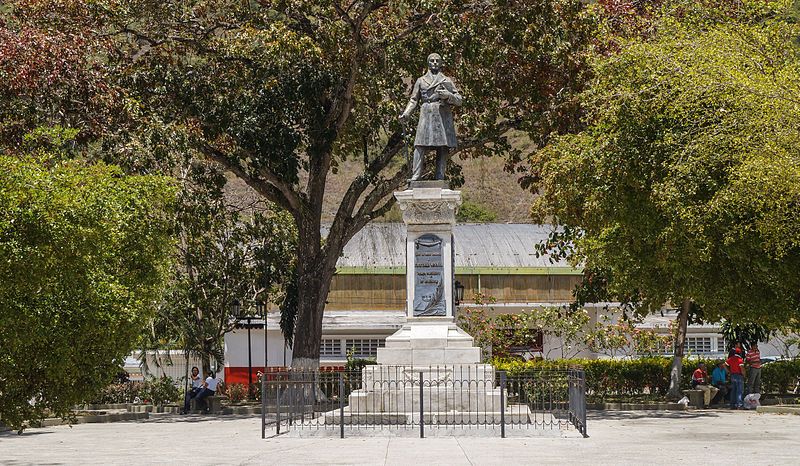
621, 415
158, 419
25, 433
13, 462
177, 418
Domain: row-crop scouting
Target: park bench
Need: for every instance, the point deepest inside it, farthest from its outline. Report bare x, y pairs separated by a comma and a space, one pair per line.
695, 397
214, 404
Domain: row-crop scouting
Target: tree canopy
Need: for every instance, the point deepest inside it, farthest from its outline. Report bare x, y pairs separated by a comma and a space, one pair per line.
224, 254
84, 252
686, 181
684, 186
280, 92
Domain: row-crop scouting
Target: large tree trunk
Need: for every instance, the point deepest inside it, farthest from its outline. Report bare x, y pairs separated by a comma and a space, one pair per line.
674, 392
313, 291
316, 267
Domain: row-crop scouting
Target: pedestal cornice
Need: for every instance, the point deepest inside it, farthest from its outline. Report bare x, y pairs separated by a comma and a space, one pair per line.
428, 206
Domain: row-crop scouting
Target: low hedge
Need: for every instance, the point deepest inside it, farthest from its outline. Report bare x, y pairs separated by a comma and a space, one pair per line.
607, 378
780, 376
156, 391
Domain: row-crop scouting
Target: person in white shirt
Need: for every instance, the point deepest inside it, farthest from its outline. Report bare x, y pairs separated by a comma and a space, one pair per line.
209, 388
196, 388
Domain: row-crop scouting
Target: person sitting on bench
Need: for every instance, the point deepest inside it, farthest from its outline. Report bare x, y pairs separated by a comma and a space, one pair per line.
209, 388
719, 379
197, 387
700, 381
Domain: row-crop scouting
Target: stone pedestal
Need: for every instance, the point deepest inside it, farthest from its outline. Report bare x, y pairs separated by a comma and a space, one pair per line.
430, 351
430, 335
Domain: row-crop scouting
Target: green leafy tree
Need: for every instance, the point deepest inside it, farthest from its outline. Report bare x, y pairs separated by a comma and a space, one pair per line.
225, 254
281, 92
84, 253
684, 187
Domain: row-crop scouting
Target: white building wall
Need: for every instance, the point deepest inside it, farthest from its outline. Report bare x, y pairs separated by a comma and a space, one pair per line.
236, 348
170, 363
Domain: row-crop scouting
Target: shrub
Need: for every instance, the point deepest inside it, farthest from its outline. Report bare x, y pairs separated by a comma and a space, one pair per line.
160, 391
237, 392
645, 376
356, 364
475, 213
127, 392
780, 376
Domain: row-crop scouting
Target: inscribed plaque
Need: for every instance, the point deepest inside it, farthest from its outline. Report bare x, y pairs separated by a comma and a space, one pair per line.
429, 298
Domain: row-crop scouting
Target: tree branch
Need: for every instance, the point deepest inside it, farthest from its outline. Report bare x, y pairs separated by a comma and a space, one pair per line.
359, 185
271, 187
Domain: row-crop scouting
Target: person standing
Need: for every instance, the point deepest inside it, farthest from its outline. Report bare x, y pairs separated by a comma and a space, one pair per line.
700, 382
753, 359
736, 365
719, 379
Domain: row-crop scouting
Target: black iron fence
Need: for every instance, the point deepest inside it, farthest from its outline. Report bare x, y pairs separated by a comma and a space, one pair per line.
416, 399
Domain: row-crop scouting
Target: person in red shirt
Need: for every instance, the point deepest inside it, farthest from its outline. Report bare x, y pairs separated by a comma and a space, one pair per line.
753, 359
700, 381
736, 365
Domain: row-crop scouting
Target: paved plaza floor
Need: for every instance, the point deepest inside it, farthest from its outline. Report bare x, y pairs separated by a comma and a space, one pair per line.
706, 437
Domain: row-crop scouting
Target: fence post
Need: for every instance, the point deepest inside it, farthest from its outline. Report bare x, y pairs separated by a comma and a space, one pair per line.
571, 411
341, 405
264, 404
583, 401
277, 409
421, 408
502, 404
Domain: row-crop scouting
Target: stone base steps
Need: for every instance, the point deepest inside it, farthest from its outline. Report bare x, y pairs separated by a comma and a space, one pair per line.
515, 414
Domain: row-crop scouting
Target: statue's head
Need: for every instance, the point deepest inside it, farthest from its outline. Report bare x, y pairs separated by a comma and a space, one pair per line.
434, 62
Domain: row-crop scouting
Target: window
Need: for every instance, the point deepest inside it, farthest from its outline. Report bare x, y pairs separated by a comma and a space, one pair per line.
364, 347
698, 345
331, 348
721, 345
337, 348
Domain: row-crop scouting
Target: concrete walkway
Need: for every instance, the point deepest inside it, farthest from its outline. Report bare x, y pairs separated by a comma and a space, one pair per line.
704, 437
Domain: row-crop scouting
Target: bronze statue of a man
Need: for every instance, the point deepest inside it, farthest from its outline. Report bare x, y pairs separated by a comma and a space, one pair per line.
435, 130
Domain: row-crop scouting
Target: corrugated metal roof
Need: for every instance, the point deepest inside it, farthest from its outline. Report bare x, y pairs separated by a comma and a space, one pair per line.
486, 246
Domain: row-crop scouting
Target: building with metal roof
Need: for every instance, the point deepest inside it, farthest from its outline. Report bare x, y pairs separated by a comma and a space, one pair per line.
479, 248
367, 298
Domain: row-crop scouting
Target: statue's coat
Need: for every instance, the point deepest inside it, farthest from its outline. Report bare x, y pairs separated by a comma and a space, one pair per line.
435, 127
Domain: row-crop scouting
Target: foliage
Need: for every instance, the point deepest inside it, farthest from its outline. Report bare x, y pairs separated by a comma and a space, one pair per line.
781, 376
607, 378
474, 213
683, 188
280, 93
237, 392
83, 254
224, 254
159, 391
117, 393
354, 364
745, 334
566, 329
683, 180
